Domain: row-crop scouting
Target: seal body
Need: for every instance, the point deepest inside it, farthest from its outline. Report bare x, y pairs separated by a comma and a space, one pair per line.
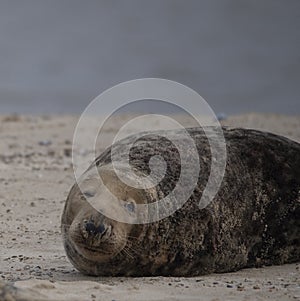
254, 219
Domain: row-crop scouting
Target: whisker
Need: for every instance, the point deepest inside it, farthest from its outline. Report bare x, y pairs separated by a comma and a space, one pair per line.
127, 252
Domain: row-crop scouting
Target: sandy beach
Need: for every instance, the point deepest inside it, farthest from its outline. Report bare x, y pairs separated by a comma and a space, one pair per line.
36, 175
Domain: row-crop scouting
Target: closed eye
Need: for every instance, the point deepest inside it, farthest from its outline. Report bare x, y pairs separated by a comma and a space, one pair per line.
89, 194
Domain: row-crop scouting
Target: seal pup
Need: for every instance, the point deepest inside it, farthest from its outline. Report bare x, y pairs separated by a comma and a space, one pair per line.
254, 219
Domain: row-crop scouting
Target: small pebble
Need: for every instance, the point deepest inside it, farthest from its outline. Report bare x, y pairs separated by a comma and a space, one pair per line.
45, 142
68, 152
51, 153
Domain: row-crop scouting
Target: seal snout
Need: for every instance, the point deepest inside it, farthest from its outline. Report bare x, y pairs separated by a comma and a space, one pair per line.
91, 228
96, 231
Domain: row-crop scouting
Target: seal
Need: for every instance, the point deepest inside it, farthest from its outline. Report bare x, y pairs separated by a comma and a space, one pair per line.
254, 219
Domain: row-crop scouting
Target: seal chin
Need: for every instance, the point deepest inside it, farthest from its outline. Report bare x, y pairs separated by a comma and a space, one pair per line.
94, 254
101, 253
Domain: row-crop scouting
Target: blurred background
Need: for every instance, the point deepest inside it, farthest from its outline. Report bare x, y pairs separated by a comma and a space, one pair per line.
240, 55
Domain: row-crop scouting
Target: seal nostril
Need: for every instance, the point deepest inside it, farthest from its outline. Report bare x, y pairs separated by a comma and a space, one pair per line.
100, 229
90, 227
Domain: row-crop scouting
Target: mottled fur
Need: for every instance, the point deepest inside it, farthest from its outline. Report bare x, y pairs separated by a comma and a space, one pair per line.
254, 219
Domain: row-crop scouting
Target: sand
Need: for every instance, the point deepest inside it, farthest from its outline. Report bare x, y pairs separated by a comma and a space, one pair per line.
35, 177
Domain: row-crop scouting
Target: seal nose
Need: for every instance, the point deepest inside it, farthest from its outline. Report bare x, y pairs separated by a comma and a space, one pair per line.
100, 229
92, 229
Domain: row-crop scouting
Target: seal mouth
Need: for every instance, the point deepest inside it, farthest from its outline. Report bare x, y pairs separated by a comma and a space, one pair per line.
94, 251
